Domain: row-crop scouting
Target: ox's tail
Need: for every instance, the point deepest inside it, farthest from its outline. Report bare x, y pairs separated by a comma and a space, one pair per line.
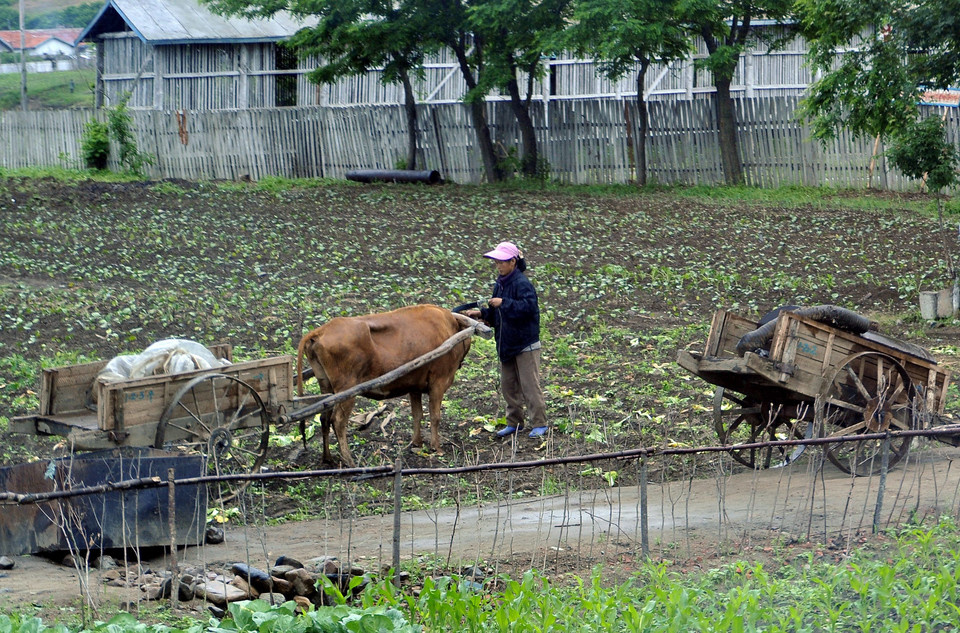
300, 348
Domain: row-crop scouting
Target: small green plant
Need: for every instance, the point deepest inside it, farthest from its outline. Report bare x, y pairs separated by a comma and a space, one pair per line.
121, 125
95, 144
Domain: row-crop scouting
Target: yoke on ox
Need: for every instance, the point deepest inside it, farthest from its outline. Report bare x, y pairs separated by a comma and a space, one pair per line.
348, 351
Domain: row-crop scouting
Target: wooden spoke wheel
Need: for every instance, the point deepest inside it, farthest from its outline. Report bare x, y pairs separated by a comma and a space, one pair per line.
225, 420
750, 421
869, 393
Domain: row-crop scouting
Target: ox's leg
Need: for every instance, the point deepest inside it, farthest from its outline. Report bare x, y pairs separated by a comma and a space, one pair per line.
341, 415
437, 389
325, 417
416, 410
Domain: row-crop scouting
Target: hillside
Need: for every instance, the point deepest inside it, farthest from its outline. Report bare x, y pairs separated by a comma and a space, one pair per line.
49, 91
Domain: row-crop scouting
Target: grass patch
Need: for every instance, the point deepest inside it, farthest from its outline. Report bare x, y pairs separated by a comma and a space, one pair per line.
49, 91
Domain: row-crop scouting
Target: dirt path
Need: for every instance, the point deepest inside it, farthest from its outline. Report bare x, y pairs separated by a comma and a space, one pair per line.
686, 520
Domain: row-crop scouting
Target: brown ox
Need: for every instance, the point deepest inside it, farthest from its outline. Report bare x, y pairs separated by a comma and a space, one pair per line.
347, 351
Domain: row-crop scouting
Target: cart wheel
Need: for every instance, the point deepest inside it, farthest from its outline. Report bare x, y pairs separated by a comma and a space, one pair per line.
751, 421
225, 420
870, 393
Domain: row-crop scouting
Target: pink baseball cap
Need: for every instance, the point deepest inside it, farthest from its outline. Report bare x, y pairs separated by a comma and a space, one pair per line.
504, 251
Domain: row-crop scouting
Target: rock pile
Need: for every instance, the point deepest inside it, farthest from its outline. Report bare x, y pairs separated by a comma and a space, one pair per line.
288, 579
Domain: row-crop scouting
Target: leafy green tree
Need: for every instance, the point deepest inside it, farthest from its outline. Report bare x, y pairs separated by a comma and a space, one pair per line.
523, 31
353, 37
876, 56
623, 35
452, 29
869, 89
77, 16
727, 28
9, 19
921, 150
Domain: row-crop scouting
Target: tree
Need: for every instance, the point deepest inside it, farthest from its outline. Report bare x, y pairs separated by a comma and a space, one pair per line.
921, 150
524, 31
9, 19
623, 35
727, 28
353, 37
888, 53
870, 91
452, 29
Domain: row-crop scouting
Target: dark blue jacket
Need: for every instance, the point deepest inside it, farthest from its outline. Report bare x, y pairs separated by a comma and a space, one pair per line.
516, 322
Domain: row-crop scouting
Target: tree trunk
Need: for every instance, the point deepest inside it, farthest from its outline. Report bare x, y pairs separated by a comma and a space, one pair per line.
528, 134
410, 107
643, 125
478, 114
727, 127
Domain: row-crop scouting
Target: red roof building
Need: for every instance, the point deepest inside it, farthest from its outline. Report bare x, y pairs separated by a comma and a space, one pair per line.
41, 42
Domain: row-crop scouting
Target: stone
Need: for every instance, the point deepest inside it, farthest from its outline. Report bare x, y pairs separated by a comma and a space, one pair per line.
69, 561
187, 591
256, 577
324, 565
286, 560
273, 598
304, 583
280, 570
6, 562
303, 605
213, 535
244, 586
282, 585
219, 592
105, 562
112, 574
473, 573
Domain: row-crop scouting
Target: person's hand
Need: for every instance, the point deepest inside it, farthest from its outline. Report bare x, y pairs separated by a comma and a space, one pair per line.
495, 302
473, 314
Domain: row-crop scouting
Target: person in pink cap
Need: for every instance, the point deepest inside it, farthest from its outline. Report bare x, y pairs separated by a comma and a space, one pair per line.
514, 313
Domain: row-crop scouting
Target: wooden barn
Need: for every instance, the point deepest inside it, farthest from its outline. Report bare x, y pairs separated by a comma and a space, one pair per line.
178, 55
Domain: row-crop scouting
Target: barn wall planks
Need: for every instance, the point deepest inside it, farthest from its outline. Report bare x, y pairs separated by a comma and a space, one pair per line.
584, 141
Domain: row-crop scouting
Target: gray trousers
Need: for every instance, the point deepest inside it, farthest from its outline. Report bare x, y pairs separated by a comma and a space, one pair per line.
520, 383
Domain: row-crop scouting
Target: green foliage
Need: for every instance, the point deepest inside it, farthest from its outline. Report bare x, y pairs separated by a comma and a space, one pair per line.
9, 19
886, 52
77, 16
922, 150
53, 90
121, 124
806, 593
257, 616
95, 144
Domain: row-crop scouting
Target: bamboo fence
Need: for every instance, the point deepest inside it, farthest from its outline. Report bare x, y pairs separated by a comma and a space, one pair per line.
585, 141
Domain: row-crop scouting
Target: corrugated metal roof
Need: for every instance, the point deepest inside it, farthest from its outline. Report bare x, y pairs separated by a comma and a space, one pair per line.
187, 22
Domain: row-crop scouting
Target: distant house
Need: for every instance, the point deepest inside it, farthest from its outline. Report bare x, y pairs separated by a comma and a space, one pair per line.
177, 54
42, 42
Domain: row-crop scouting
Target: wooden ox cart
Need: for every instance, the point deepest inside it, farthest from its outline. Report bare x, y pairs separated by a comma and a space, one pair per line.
224, 413
805, 374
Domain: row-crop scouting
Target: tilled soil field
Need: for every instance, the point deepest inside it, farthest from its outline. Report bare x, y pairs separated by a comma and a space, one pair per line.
90, 270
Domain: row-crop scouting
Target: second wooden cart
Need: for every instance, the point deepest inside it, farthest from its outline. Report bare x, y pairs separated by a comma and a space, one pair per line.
810, 379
